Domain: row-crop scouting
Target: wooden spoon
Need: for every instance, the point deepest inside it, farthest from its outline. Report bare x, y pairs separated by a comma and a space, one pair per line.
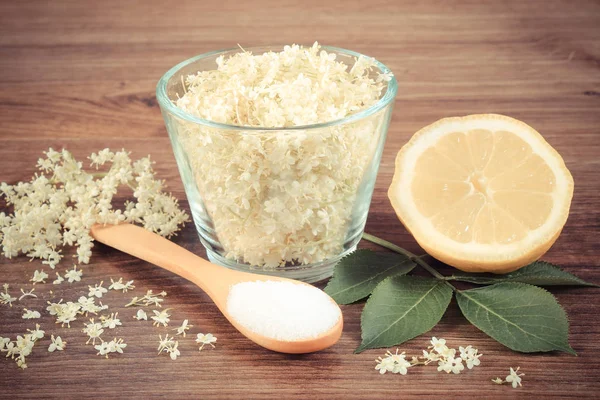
215, 280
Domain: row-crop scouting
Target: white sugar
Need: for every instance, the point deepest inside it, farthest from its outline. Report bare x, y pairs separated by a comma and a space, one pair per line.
282, 310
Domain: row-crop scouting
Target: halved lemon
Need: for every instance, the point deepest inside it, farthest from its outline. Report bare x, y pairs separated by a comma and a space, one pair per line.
483, 193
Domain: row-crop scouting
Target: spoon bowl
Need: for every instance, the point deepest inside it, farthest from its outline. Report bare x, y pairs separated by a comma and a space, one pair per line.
215, 280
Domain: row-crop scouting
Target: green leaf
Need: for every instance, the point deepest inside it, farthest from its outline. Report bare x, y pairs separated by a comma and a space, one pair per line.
522, 317
401, 308
539, 273
357, 274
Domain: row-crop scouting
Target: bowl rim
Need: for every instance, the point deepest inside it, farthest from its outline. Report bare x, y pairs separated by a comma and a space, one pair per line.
167, 105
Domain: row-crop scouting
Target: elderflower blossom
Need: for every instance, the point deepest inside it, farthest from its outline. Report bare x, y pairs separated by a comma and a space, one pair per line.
30, 314
97, 290
161, 317
73, 275
181, 330
111, 321
22, 347
57, 344
438, 352
59, 204
113, 346
119, 285
88, 305
276, 197
169, 346
5, 297
393, 362
141, 315
514, 377
451, 364
470, 355
39, 277
65, 312
205, 339
149, 299
93, 330
59, 279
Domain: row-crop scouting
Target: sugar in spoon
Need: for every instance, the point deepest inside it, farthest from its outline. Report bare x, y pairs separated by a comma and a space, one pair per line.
218, 282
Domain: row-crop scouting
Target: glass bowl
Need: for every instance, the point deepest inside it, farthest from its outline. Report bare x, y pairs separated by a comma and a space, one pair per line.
288, 201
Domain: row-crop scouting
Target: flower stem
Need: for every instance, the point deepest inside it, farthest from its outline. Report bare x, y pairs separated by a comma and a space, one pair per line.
414, 258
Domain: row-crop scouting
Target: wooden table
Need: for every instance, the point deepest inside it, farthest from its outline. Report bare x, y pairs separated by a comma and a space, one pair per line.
81, 75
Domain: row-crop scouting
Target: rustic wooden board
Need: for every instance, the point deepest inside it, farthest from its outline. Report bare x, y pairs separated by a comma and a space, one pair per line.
81, 75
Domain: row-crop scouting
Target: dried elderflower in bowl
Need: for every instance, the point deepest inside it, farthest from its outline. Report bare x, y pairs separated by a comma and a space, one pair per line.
278, 150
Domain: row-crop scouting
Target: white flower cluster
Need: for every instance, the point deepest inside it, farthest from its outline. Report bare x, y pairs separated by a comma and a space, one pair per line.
113, 346
277, 197
297, 86
67, 312
169, 346
60, 204
22, 346
436, 352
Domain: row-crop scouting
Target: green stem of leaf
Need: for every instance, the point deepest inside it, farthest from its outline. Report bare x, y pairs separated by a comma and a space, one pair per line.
414, 258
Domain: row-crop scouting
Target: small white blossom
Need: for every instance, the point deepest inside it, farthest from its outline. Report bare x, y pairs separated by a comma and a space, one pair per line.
384, 365
205, 339
30, 314
36, 333
439, 345
5, 297
149, 299
97, 290
168, 345
161, 317
39, 277
73, 275
93, 330
514, 377
57, 344
393, 362
173, 351
3, 342
119, 285
470, 355
181, 330
59, 279
453, 365
111, 321
141, 314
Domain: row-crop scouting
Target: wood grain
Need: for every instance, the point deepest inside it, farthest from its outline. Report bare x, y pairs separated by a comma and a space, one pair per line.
81, 75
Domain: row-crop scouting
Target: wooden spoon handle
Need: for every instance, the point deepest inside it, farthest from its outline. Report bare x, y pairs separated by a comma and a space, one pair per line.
148, 246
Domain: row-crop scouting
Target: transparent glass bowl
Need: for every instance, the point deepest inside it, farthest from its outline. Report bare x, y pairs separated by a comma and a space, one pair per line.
279, 201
